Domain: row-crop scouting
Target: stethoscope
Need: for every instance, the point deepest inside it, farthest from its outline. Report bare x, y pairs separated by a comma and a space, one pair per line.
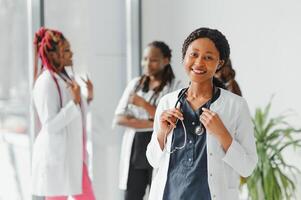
199, 130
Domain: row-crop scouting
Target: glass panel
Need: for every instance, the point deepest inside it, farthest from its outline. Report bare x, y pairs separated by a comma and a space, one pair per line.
14, 101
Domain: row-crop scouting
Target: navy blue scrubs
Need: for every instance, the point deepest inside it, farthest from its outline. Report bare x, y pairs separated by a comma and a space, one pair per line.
187, 173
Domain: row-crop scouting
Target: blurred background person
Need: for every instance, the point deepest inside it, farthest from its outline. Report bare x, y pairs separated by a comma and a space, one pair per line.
136, 110
59, 165
226, 75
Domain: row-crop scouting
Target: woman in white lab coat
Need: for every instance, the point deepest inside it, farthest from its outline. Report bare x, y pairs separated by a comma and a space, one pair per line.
203, 138
59, 167
136, 110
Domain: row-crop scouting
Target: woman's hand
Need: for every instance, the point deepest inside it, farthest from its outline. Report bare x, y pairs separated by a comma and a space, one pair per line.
168, 121
140, 102
75, 91
90, 89
214, 125
137, 100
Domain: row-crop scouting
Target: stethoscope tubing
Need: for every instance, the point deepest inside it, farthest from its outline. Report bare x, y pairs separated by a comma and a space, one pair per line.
201, 128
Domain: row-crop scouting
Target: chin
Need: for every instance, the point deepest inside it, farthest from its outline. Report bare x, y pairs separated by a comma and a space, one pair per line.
150, 74
199, 79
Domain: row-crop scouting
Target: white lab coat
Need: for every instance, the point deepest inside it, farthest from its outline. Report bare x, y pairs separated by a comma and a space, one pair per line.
224, 168
57, 158
129, 133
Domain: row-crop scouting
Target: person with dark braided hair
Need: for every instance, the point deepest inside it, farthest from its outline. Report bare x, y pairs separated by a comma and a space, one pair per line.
59, 163
203, 138
227, 76
136, 110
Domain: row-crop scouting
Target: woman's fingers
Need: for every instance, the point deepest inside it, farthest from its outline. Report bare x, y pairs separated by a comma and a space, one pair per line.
175, 113
87, 80
207, 116
171, 116
204, 120
166, 117
205, 110
75, 91
83, 79
69, 85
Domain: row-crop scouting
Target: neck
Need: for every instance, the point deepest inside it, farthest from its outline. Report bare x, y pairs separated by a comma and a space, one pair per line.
156, 77
152, 78
200, 90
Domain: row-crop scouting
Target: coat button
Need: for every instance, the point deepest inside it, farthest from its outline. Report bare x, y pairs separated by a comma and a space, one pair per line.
193, 123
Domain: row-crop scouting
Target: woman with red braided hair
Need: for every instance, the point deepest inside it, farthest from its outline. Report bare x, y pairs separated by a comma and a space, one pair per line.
59, 168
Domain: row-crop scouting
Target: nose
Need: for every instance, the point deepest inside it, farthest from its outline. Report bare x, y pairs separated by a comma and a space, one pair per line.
199, 61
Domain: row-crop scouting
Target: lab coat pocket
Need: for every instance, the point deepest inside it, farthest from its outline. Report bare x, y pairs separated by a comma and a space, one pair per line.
232, 178
232, 194
56, 148
38, 151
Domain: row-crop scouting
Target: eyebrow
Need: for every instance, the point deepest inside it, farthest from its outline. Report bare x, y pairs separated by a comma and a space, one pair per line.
194, 49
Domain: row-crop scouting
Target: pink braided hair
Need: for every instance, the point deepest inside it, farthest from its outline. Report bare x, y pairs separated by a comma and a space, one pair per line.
45, 40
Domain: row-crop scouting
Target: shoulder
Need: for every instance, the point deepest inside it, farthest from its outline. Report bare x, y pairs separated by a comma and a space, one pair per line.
176, 84
168, 100
44, 81
132, 83
230, 99
176, 81
45, 88
135, 80
45, 75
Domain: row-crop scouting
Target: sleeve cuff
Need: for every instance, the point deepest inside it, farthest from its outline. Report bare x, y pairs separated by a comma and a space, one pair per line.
154, 153
71, 110
157, 149
233, 154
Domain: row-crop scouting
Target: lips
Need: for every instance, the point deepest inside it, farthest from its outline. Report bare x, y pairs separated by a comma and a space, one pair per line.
199, 71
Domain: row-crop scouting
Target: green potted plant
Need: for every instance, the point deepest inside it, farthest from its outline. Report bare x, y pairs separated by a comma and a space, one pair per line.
271, 180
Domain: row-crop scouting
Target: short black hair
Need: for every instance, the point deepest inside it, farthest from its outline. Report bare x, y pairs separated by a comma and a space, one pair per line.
220, 41
166, 51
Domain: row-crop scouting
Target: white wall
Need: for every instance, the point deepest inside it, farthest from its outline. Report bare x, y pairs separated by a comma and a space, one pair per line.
264, 37
96, 31
265, 40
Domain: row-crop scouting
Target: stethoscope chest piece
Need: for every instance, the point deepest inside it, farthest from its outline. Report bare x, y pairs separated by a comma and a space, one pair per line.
199, 130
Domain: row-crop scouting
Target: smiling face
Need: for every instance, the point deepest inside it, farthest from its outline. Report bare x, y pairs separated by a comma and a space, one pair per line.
201, 60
